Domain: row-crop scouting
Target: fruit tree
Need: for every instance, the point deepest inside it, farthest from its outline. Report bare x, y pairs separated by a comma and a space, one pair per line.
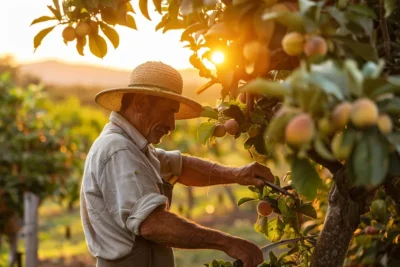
312, 82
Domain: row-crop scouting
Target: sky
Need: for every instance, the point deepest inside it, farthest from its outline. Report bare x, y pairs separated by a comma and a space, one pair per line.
16, 39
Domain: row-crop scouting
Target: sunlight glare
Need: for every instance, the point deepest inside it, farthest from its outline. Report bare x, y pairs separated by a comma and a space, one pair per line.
217, 57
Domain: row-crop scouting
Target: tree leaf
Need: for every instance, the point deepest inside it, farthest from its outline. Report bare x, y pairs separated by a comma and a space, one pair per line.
39, 37
56, 12
143, 5
80, 44
209, 112
285, 210
261, 225
56, 4
306, 209
379, 210
305, 178
327, 85
111, 34
364, 50
394, 139
275, 229
191, 29
391, 106
97, 45
322, 150
130, 22
205, 131
389, 5
363, 10
157, 4
236, 113
264, 86
244, 200
370, 159
42, 19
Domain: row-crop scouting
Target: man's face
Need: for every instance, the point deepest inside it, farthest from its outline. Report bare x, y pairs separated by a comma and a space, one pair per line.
158, 118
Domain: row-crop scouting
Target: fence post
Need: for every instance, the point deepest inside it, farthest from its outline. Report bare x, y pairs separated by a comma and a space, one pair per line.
31, 205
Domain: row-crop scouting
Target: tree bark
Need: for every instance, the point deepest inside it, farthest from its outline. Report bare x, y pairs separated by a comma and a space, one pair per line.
342, 219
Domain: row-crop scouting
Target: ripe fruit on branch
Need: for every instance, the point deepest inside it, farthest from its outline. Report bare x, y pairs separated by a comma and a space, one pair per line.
231, 127
341, 115
264, 208
253, 50
219, 130
364, 113
325, 126
83, 29
300, 130
69, 34
315, 45
339, 151
370, 230
385, 124
293, 43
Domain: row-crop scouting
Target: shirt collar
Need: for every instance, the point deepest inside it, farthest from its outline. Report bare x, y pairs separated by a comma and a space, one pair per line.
130, 130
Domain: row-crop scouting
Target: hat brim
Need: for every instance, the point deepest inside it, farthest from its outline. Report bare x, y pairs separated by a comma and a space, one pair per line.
110, 99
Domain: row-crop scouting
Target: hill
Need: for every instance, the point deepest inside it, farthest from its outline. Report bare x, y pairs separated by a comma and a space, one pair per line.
85, 81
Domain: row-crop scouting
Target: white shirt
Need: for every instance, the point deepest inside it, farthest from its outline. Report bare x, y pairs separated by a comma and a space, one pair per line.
119, 188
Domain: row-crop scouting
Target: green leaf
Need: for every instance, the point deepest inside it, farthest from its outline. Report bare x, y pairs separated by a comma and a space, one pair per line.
322, 150
305, 5
395, 79
391, 106
394, 139
305, 178
369, 159
205, 131
39, 37
364, 50
97, 45
56, 12
157, 4
244, 200
327, 85
363, 10
42, 19
389, 5
130, 22
285, 210
263, 86
273, 259
56, 4
111, 34
379, 210
261, 225
143, 5
236, 113
209, 112
275, 229
306, 209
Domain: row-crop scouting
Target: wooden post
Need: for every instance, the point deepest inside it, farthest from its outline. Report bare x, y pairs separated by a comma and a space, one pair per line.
31, 205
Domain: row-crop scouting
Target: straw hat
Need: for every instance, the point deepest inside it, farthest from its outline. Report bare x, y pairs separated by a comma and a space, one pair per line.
156, 79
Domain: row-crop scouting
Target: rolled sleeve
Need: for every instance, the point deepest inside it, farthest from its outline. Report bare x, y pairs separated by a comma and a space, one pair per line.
170, 163
129, 191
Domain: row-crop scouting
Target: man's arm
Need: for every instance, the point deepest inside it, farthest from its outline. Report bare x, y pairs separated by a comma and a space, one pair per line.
199, 172
168, 229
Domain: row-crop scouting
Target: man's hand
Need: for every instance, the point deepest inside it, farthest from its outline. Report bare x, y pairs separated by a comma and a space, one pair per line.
247, 175
247, 252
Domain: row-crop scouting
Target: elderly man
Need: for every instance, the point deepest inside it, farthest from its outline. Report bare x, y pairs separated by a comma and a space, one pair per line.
127, 184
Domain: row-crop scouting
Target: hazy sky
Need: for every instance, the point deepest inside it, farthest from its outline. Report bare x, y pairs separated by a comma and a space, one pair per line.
16, 38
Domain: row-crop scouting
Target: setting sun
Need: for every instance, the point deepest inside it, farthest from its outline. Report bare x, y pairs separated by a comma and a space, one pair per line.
217, 57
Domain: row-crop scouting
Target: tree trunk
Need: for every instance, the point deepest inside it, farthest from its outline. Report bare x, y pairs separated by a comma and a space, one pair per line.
343, 216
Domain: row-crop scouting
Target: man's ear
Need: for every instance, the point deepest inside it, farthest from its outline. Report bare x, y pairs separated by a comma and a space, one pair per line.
139, 103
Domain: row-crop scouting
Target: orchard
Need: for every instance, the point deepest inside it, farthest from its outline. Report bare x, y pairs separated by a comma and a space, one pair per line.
313, 83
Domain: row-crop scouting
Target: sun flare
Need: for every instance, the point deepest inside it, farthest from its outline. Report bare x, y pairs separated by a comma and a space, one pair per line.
217, 57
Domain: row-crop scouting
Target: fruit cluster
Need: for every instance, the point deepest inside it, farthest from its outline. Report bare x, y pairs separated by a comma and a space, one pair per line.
362, 113
81, 30
295, 44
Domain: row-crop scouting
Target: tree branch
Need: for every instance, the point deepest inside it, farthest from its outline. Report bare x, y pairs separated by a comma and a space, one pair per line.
332, 166
384, 29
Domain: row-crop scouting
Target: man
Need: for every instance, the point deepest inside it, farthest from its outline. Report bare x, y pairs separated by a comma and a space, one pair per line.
127, 183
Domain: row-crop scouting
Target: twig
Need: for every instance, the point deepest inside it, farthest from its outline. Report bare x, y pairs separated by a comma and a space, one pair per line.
385, 31
275, 187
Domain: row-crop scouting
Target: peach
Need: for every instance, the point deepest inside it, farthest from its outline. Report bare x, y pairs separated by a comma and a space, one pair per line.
341, 115
69, 34
83, 29
231, 127
315, 45
300, 130
293, 43
364, 113
219, 130
385, 124
264, 208
339, 151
